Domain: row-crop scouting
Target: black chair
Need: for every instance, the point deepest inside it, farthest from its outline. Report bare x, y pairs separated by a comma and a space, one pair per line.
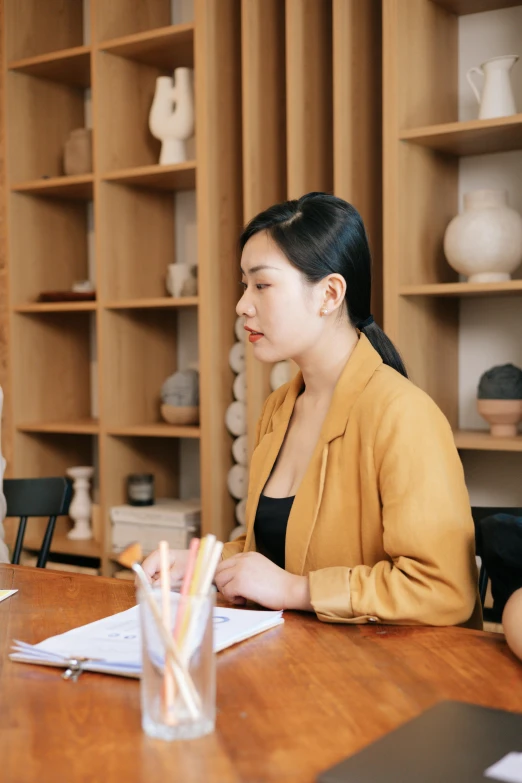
40, 497
498, 539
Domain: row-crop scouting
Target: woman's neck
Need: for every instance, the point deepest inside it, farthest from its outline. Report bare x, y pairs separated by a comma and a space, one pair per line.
322, 365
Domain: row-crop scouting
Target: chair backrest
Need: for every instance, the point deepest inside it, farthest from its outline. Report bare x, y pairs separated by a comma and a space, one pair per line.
479, 514
39, 497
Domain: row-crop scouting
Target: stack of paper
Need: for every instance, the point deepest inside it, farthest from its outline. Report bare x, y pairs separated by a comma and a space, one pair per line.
113, 645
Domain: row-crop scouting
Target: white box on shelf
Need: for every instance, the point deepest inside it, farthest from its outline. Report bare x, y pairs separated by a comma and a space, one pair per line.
172, 520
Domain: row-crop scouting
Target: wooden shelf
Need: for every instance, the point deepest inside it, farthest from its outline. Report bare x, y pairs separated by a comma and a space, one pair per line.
63, 545
177, 176
69, 66
159, 430
79, 187
79, 427
475, 137
509, 288
166, 48
482, 441
56, 307
463, 7
159, 302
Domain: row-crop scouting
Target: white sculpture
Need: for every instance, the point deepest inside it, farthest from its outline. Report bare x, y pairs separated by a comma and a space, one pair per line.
171, 117
81, 505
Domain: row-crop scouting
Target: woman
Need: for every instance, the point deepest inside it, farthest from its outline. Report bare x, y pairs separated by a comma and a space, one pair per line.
357, 508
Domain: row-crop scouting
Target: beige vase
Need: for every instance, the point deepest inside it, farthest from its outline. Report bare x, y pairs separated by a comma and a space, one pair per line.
502, 416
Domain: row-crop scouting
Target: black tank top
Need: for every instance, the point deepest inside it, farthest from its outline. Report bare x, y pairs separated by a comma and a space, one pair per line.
270, 527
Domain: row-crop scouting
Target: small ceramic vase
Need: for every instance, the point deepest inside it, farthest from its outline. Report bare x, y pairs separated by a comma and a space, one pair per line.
500, 399
502, 416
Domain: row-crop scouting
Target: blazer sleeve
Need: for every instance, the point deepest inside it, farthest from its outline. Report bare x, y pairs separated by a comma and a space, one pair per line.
431, 576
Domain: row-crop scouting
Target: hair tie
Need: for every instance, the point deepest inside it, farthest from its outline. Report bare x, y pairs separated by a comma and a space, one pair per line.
361, 325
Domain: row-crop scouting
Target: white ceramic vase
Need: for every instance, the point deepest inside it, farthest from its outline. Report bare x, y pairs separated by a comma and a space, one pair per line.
485, 241
171, 117
81, 504
497, 98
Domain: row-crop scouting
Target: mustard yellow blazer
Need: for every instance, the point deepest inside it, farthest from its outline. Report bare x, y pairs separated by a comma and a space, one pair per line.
381, 523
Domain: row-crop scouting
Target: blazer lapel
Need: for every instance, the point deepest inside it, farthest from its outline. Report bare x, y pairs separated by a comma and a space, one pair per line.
265, 455
358, 370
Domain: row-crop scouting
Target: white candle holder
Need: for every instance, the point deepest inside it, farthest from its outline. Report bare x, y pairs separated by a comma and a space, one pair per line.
81, 504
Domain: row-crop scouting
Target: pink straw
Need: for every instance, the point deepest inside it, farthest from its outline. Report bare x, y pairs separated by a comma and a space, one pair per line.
185, 586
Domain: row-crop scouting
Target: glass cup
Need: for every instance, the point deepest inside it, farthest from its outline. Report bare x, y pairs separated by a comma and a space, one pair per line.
178, 700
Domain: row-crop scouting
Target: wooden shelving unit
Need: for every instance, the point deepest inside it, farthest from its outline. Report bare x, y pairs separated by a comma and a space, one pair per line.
166, 48
509, 288
482, 441
133, 327
142, 304
278, 113
475, 137
79, 187
78, 427
69, 66
179, 176
423, 141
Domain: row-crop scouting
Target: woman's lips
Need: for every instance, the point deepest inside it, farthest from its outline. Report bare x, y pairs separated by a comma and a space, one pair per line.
253, 336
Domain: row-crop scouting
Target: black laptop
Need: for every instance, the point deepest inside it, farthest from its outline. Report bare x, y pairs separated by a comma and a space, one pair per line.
452, 742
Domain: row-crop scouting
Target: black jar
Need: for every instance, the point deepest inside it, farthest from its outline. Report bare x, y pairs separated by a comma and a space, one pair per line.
140, 489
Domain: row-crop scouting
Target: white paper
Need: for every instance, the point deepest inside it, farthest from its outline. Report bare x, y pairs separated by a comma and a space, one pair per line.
114, 644
508, 769
6, 593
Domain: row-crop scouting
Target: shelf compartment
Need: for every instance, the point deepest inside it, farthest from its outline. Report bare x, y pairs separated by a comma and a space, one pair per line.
78, 187
125, 92
44, 454
166, 48
36, 147
463, 7
479, 440
33, 27
127, 454
176, 176
52, 367
474, 137
508, 288
155, 431
140, 353
53, 253
78, 427
117, 18
69, 66
161, 302
139, 238
56, 307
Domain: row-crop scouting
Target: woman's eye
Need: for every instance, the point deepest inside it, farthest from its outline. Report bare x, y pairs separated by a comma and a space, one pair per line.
259, 286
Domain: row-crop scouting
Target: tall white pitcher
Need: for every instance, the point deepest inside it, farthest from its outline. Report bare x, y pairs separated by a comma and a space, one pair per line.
497, 96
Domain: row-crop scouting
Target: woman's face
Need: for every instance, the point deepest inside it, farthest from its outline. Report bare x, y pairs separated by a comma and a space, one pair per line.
281, 309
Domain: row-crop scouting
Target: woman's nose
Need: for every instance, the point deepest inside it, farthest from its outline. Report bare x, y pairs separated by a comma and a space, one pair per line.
244, 306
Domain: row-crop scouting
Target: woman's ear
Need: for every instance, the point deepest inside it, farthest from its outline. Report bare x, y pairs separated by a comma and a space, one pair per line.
334, 292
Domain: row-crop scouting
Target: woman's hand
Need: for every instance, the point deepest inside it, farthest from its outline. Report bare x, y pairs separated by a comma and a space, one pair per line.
178, 559
253, 577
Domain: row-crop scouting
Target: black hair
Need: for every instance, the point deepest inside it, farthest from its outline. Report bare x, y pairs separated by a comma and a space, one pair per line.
322, 235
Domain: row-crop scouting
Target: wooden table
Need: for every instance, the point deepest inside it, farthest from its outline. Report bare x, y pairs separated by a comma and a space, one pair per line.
291, 702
